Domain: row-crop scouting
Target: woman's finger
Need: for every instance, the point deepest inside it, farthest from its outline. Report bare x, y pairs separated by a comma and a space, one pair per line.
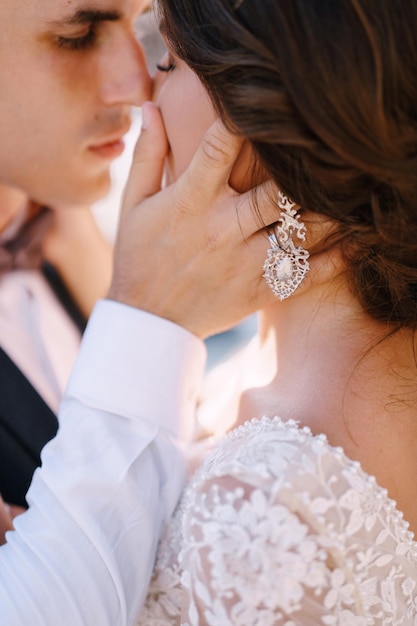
148, 158
211, 166
257, 209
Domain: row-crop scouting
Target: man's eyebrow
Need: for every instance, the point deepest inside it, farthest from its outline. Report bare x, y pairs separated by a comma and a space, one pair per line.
87, 16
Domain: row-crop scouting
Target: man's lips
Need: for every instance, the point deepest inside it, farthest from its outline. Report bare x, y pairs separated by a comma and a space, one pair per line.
109, 150
111, 146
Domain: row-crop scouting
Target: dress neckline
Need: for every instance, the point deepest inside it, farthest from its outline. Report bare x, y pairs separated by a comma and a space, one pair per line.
256, 424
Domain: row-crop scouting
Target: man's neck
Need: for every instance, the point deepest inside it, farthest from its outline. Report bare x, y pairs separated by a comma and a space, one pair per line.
12, 202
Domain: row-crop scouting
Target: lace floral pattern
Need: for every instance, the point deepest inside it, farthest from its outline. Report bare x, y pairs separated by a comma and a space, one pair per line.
277, 528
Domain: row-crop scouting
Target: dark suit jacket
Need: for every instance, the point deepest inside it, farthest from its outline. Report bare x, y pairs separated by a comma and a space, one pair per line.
26, 425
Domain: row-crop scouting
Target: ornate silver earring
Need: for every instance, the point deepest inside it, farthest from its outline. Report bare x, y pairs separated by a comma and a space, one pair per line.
286, 265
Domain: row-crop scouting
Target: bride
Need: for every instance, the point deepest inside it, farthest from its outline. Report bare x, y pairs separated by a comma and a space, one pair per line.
296, 512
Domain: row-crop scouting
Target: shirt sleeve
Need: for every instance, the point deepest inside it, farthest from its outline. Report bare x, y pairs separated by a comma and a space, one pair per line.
110, 478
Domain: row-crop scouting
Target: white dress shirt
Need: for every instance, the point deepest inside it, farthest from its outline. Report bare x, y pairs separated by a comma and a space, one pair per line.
109, 480
37, 333
35, 330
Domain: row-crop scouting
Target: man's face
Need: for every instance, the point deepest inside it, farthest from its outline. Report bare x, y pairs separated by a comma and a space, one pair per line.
69, 72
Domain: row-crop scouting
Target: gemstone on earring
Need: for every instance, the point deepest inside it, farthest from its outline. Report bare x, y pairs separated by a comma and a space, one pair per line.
284, 270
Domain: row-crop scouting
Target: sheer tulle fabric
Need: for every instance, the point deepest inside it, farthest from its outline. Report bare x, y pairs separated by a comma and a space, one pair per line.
279, 528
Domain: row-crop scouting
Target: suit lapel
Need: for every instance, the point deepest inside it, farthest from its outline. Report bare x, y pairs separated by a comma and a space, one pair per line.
26, 425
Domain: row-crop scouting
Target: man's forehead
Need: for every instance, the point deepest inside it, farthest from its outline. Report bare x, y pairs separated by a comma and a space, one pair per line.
75, 10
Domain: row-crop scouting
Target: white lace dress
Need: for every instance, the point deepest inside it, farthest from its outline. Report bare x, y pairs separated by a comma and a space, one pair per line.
279, 528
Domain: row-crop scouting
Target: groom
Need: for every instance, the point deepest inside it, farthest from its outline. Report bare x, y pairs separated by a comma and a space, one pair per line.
69, 74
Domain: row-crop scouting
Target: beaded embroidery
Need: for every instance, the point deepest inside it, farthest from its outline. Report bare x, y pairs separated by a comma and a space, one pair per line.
279, 528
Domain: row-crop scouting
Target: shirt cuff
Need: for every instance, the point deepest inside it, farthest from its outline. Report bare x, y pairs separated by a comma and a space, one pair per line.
136, 364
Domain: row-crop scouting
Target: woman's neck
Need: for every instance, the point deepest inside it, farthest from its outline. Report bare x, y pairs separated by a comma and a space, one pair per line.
329, 366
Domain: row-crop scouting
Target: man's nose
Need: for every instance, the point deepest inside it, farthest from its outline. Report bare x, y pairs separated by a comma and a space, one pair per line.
126, 79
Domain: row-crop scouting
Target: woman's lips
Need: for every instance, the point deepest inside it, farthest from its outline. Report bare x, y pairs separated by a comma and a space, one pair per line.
109, 150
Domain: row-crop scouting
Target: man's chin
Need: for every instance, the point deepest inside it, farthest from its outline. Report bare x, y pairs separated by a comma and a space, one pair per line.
74, 196
100, 190
82, 193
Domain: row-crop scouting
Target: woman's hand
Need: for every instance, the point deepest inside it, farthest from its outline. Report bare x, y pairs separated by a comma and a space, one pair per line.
192, 252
